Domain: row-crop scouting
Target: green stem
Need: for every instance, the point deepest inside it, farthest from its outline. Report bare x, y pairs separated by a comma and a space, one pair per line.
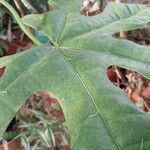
19, 21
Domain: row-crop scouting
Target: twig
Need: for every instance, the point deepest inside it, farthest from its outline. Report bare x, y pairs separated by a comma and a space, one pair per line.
9, 35
120, 74
19, 8
28, 5
101, 5
145, 104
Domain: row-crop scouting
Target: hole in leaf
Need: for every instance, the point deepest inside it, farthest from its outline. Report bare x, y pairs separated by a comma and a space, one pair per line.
12, 125
2, 71
114, 77
8, 139
90, 8
43, 101
134, 84
139, 36
41, 121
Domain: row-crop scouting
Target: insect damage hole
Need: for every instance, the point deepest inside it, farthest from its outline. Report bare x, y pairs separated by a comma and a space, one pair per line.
139, 36
2, 71
43, 110
91, 7
134, 84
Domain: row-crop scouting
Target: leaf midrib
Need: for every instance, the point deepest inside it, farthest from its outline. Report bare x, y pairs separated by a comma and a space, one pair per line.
79, 77
64, 23
91, 97
110, 53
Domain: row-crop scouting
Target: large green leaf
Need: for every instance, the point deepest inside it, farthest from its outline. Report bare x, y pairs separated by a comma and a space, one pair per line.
73, 67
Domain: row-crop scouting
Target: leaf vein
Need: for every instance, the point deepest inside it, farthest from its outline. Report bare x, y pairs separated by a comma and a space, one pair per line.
92, 98
35, 62
99, 28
